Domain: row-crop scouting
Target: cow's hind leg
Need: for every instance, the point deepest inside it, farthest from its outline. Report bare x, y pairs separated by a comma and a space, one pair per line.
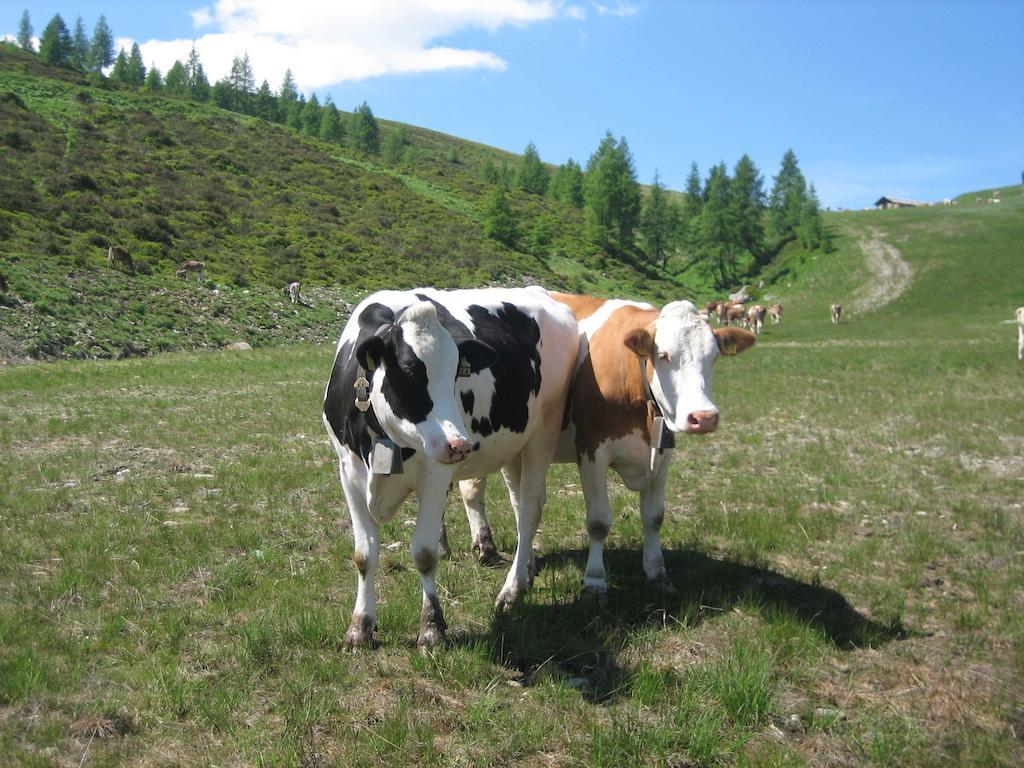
474, 493
594, 479
526, 483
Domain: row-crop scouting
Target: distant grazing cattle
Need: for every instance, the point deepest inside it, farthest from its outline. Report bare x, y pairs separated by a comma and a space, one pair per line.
431, 387
1020, 333
191, 266
293, 292
755, 318
837, 310
735, 312
775, 313
118, 255
642, 376
712, 307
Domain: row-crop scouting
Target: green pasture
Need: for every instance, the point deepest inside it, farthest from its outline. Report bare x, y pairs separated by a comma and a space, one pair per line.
175, 577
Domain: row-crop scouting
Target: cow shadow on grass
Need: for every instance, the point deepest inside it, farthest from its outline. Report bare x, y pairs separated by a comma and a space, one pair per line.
579, 641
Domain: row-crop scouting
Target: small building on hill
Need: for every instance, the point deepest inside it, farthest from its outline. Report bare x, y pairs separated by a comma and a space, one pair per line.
896, 202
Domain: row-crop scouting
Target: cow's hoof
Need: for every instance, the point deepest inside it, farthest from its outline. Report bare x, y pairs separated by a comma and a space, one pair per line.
360, 632
487, 554
509, 595
433, 627
596, 592
662, 585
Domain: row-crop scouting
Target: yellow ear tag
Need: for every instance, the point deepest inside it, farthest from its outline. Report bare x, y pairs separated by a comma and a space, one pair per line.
464, 368
371, 365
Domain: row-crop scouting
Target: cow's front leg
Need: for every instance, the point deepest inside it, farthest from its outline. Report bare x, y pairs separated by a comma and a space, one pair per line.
474, 494
366, 532
594, 479
652, 514
425, 554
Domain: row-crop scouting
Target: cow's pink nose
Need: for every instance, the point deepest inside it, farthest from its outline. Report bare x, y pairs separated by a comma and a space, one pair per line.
458, 449
702, 422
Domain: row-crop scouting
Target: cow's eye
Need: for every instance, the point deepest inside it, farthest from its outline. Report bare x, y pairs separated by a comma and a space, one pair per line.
663, 356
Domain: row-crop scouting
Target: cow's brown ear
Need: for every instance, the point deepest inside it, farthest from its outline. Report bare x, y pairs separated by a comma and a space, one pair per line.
732, 341
640, 342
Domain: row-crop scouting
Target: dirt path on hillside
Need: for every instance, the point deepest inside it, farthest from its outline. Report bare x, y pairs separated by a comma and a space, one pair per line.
890, 274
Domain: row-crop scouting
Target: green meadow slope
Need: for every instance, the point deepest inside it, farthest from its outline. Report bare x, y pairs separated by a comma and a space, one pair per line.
86, 164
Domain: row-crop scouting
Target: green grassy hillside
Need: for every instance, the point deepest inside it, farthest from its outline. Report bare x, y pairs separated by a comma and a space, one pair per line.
86, 164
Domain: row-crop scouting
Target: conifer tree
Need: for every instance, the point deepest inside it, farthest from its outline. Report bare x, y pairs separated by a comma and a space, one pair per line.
787, 198
657, 223
310, 117
25, 33
394, 145
101, 47
331, 126
55, 43
136, 69
265, 104
693, 202
120, 70
154, 80
532, 175
363, 132
176, 82
242, 84
499, 221
489, 171
612, 196
716, 228
293, 115
810, 231
287, 97
567, 184
197, 87
79, 46
748, 207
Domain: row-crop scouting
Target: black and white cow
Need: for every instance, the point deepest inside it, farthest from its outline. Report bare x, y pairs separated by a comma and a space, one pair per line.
451, 385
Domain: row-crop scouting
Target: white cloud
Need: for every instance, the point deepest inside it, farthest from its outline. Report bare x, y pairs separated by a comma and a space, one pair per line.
325, 43
620, 8
575, 12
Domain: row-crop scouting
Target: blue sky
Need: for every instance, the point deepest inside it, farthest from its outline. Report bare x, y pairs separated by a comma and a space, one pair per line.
915, 99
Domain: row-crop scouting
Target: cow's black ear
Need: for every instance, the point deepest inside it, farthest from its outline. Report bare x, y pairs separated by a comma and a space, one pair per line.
370, 352
478, 354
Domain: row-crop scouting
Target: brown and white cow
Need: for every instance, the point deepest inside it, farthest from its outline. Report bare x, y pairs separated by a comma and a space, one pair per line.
755, 317
1020, 333
118, 255
775, 313
837, 311
636, 364
735, 312
191, 265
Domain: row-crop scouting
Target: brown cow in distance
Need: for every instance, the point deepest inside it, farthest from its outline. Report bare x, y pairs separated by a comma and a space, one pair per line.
191, 266
119, 255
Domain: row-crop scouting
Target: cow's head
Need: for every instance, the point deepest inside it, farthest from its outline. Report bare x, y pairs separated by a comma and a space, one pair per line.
414, 363
683, 348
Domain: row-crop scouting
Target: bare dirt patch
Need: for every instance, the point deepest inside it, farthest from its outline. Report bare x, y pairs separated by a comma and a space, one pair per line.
890, 274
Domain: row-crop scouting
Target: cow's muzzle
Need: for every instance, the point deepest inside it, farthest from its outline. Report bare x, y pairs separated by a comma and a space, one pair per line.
456, 450
701, 422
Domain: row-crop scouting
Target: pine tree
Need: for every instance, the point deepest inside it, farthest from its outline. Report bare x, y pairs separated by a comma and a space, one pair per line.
55, 43
499, 221
136, 69
120, 70
293, 115
748, 207
693, 203
176, 82
25, 33
331, 126
287, 97
101, 47
154, 80
787, 198
716, 228
489, 171
363, 132
242, 84
79, 46
265, 104
197, 87
612, 196
532, 175
810, 231
310, 117
567, 184
657, 225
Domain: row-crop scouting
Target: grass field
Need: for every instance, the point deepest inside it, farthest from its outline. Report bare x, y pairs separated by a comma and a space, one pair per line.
175, 576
